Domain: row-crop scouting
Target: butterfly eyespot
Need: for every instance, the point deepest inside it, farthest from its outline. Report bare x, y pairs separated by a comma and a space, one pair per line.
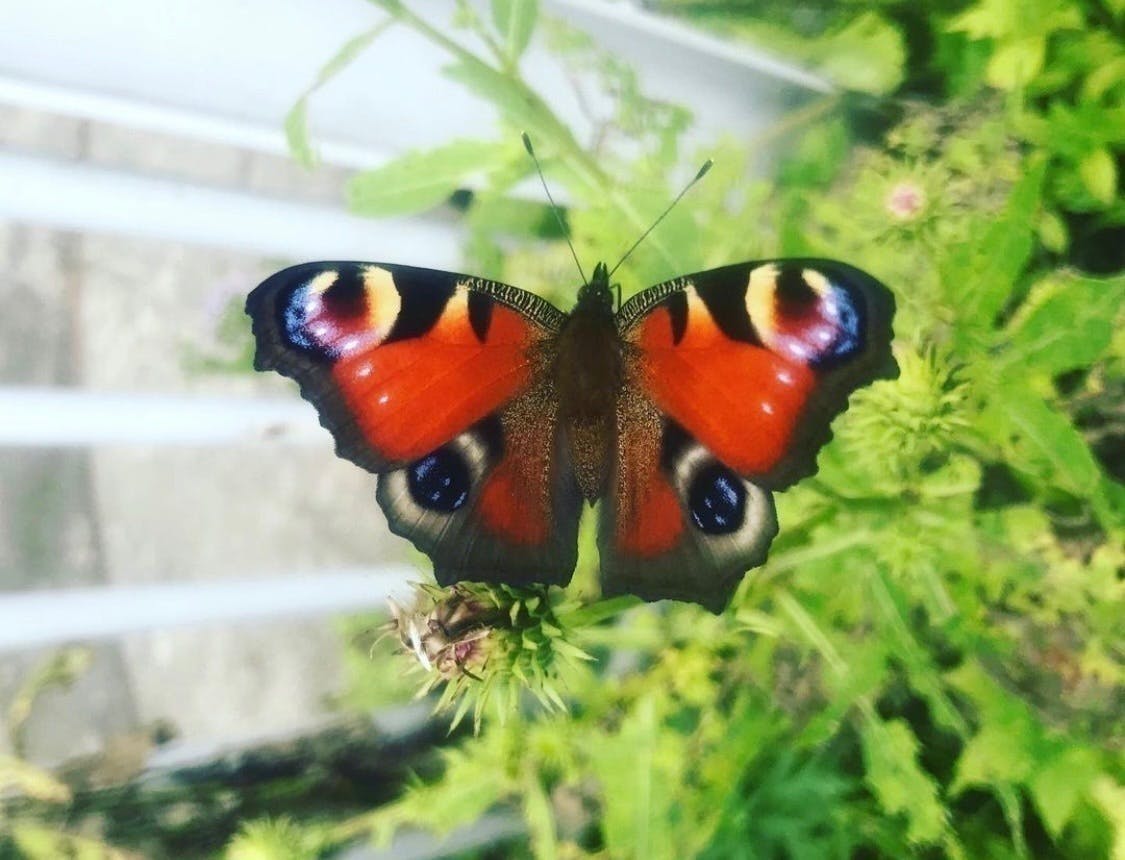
717, 500
439, 481
337, 313
799, 313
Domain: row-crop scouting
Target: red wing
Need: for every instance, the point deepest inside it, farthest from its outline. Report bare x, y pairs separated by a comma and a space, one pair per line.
425, 377
498, 503
397, 360
732, 379
677, 523
754, 360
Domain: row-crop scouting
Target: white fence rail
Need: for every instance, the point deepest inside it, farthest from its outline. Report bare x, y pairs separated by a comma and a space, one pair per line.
58, 417
38, 618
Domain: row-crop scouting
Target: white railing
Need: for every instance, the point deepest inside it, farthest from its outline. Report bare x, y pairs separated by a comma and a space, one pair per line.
33, 619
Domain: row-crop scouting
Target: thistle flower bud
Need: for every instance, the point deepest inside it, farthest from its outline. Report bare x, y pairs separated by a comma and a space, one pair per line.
905, 200
448, 632
490, 642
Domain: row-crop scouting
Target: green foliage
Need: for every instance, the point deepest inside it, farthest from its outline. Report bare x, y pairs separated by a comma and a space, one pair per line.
277, 839
932, 660
1060, 64
21, 832
422, 180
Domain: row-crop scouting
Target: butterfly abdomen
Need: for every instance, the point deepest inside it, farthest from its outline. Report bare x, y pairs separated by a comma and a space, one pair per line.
589, 369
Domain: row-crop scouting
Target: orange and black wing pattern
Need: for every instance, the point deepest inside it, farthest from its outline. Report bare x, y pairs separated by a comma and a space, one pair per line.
734, 376
436, 382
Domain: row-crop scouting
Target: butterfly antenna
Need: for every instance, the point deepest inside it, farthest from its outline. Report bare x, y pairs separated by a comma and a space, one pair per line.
554, 206
702, 172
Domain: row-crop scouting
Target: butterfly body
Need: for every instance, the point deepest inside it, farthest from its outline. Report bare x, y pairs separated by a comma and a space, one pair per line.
490, 415
588, 369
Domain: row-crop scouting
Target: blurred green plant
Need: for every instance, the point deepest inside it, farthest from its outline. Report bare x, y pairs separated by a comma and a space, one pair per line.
20, 779
1059, 66
932, 660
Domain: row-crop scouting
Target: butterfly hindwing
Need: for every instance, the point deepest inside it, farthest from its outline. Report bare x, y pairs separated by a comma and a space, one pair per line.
733, 378
677, 523
435, 381
497, 504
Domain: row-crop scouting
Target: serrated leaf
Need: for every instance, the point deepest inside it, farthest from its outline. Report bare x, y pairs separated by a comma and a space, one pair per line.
994, 755
421, 180
890, 752
1070, 324
1099, 174
638, 768
1060, 783
980, 276
515, 21
1045, 439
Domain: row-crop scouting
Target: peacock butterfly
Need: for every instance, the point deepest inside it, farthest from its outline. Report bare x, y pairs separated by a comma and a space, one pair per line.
490, 415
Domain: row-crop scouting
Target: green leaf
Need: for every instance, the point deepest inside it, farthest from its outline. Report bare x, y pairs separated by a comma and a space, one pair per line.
890, 752
1060, 783
1052, 232
1070, 324
980, 276
36, 842
516, 103
539, 817
515, 20
20, 777
1003, 753
1002, 19
1110, 797
867, 55
988, 18
639, 768
1104, 78
522, 218
297, 133
1016, 64
994, 755
296, 121
1099, 174
421, 180
1046, 444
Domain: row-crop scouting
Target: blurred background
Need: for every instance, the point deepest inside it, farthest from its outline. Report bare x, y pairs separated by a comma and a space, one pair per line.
191, 583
